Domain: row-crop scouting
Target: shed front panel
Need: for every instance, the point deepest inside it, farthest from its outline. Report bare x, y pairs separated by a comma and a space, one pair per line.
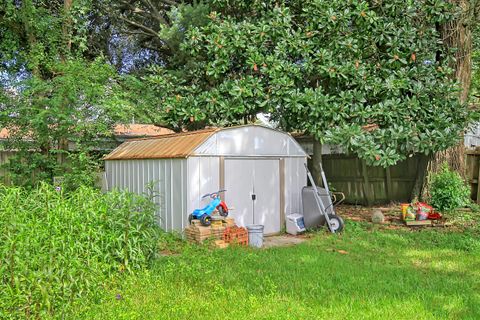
247, 141
295, 180
253, 189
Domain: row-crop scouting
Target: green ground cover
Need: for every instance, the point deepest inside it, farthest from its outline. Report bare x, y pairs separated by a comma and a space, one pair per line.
364, 273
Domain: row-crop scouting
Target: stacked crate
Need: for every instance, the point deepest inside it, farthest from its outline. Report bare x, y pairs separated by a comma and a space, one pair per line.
217, 231
229, 222
223, 231
197, 233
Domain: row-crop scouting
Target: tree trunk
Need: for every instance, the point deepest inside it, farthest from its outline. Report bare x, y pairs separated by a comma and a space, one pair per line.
316, 162
420, 177
67, 25
457, 34
62, 143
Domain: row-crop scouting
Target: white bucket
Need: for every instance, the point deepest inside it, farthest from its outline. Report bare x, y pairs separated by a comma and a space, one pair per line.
255, 235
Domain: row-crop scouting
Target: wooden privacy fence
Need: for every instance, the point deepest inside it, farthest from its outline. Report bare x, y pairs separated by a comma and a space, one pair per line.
472, 158
368, 185
4, 156
361, 184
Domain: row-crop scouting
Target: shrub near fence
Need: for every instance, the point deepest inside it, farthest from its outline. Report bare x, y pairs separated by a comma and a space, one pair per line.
58, 250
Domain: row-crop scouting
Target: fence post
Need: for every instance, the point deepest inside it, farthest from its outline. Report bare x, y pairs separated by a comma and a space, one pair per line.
388, 185
478, 180
366, 184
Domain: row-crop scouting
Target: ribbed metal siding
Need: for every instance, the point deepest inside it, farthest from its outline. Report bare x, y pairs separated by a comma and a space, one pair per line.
168, 177
203, 177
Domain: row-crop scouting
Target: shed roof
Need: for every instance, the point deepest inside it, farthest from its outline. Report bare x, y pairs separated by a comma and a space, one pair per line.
248, 140
177, 145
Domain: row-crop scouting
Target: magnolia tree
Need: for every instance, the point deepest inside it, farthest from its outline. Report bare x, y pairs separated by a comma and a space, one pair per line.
371, 76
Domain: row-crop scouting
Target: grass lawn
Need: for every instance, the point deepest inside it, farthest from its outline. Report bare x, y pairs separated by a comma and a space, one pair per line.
383, 274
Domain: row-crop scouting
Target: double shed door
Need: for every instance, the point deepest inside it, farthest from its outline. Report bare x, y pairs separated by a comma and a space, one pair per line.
253, 189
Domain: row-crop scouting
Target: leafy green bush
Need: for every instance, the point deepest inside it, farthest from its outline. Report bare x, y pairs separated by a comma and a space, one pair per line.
57, 250
448, 191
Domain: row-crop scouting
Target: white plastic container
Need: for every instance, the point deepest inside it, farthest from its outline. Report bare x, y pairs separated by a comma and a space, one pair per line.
295, 224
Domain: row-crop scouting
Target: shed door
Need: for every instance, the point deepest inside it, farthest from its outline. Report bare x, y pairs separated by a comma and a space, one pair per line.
253, 189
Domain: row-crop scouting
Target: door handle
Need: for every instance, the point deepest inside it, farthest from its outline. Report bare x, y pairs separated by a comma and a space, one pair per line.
254, 197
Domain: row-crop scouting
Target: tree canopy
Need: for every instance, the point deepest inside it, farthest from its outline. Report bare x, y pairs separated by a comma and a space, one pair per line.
53, 88
370, 76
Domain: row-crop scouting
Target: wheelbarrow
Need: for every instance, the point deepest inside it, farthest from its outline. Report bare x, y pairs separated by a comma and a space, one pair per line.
326, 203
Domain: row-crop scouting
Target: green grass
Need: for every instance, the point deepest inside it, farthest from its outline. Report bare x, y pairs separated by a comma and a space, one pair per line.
395, 274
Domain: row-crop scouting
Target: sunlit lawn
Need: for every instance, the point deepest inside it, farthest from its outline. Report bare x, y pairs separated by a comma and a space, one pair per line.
383, 274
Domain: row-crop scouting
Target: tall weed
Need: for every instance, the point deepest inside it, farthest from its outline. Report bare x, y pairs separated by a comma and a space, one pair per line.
59, 249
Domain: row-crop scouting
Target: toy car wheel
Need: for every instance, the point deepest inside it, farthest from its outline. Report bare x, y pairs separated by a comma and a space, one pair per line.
222, 211
336, 222
206, 220
190, 218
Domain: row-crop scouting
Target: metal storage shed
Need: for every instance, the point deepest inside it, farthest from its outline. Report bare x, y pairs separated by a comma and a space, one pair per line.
261, 168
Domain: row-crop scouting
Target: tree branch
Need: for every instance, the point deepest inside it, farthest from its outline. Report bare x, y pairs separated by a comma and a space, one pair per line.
140, 26
156, 14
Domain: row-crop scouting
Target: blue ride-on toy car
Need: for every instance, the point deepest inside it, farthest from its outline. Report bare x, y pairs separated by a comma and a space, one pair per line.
205, 214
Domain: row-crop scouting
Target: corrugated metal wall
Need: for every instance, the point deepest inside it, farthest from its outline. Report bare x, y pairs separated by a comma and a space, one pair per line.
169, 179
180, 183
203, 177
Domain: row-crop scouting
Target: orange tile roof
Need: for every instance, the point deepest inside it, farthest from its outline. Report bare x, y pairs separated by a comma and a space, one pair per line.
4, 133
178, 145
133, 130
137, 130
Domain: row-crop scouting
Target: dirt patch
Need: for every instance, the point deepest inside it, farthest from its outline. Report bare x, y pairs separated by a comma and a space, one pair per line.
283, 241
364, 214
461, 219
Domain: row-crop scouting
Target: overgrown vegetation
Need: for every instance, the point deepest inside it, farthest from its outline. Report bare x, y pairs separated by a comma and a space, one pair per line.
363, 274
58, 250
381, 88
448, 191
375, 77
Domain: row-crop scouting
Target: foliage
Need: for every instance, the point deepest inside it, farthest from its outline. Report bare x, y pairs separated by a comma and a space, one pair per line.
36, 34
380, 88
421, 275
150, 31
448, 191
54, 98
47, 113
57, 249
